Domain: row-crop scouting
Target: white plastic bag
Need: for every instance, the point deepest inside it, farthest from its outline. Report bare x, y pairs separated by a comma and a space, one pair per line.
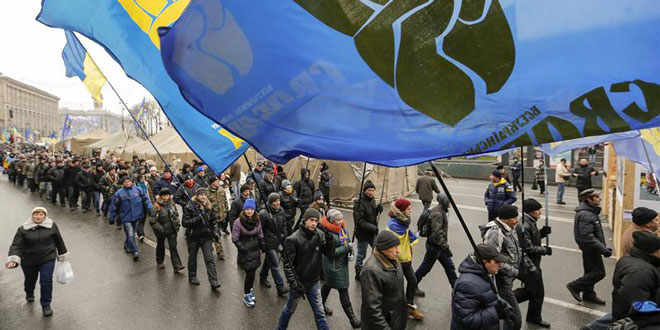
64, 272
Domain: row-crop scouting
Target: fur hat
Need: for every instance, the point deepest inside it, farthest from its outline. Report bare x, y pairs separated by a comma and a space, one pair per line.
40, 209
334, 215
385, 240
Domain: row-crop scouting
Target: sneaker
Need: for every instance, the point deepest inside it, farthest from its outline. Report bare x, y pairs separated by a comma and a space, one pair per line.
420, 293
141, 238
252, 296
48, 312
414, 314
178, 269
193, 281
136, 256
247, 301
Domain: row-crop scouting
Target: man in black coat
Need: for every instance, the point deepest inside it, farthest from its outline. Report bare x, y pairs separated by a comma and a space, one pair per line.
199, 221
474, 304
365, 212
530, 237
70, 174
583, 173
381, 281
85, 183
590, 239
273, 225
304, 190
302, 268
56, 177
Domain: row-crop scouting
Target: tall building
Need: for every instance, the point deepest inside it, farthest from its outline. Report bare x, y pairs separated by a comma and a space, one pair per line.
24, 106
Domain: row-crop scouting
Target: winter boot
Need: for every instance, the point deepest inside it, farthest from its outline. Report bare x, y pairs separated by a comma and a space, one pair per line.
348, 309
414, 314
328, 311
247, 301
48, 312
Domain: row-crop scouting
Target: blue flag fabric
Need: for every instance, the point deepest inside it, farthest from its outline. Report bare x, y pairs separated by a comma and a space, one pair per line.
78, 63
127, 30
642, 149
401, 82
66, 127
557, 148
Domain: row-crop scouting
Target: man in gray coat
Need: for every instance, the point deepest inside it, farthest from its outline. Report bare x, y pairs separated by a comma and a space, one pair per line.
425, 187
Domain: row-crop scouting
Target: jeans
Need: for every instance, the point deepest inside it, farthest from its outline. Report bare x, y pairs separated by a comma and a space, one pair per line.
560, 192
313, 295
206, 245
86, 200
235, 186
434, 253
594, 271
505, 290
160, 249
411, 282
106, 205
541, 186
533, 291
601, 323
60, 191
362, 252
74, 194
271, 264
129, 233
45, 274
96, 197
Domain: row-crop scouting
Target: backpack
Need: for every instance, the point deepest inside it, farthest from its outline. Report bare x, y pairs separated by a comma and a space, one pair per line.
424, 223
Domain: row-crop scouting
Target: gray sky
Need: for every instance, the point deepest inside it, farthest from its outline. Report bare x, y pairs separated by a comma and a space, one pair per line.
32, 53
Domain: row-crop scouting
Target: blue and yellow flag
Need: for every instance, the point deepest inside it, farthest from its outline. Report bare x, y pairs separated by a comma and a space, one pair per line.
128, 30
401, 82
66, 127
644, 149
78, 63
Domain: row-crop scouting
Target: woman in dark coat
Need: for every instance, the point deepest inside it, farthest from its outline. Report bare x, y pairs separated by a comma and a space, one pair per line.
248, 237
36, 245
335, 269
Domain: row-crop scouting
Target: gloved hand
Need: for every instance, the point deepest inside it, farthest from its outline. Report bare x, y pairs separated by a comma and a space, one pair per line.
607, 252
379, 209
548, 251
545, 231
504, 310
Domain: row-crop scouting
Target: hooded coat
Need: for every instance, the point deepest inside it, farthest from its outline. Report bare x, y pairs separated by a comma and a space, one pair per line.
498, 194
366, 216
274, 228
304, 188
335, 268
505, 240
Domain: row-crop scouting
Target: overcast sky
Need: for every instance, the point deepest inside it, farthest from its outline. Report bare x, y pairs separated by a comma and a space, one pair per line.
32, 53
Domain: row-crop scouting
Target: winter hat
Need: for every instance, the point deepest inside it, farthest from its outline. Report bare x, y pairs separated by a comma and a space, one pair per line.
40, 209
212, 178
586, 194
285, 184
497, 174
368, 184
249, 204
318, 195
531, 205
164, 191
153, 169
187, 177
385, 240
199, 169
643, 215
244, 188
489, 252
273, 197
311, 213
201, 191
645, 241
402, 204
124, 178
334, 215
507, 212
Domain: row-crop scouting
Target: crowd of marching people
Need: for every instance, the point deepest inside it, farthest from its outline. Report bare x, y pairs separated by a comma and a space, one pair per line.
289, 233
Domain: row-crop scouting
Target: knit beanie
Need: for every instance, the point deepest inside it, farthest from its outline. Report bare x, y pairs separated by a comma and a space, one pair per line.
318, 195
531, 205
645, 241
334, 215
249, 204
507, 212
385, 240
244, 188
40, 209
273, 197
368, 184
497, 174
311, 213
402, 204
643, 215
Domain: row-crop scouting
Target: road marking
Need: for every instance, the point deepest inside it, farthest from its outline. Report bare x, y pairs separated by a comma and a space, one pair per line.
554, 247
575, 307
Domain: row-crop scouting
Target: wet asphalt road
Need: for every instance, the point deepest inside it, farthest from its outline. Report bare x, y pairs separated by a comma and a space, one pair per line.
110, 291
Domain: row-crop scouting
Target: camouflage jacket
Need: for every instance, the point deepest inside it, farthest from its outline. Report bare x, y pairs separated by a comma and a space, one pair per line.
219, 202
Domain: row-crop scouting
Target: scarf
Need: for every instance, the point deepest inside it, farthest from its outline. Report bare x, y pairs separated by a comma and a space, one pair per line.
337, 229
399, 224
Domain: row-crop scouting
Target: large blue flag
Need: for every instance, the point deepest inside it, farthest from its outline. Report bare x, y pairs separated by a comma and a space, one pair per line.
400, 82
127, 29
78, 63
556, 148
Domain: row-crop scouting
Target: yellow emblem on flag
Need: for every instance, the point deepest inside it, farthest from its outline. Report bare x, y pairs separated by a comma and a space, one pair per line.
149, 15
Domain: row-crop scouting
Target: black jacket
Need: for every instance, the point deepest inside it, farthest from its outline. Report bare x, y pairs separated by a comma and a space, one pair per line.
37, 245
584, 176
56, 176
587, 228
164, 219
247, 235
266, 187
273, 225
85, 181
530, 239
636, 278
439, 224
366, 216
302, 257
199, 221
383, 298
184, 194
235, 209
289, 203
473, 300
304, 188
70, 174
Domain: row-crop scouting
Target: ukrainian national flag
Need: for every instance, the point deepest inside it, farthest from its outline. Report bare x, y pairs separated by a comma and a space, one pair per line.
66, 128
78, 63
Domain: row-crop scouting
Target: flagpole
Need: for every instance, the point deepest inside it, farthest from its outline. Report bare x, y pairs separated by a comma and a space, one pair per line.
364, 169
522, 175
547, 191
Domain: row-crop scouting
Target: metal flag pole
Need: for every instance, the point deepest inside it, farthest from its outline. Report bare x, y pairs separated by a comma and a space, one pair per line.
364, 170
522, 174
547, 206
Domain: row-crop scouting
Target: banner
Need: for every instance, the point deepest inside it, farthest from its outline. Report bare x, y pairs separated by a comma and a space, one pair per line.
401, 82
128, 31
556, 148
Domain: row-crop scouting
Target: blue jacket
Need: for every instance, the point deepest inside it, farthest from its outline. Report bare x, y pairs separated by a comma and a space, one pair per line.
473, 300
499, 194
130, 204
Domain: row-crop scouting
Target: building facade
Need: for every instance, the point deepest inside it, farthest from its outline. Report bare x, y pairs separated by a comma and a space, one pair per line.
26, 107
